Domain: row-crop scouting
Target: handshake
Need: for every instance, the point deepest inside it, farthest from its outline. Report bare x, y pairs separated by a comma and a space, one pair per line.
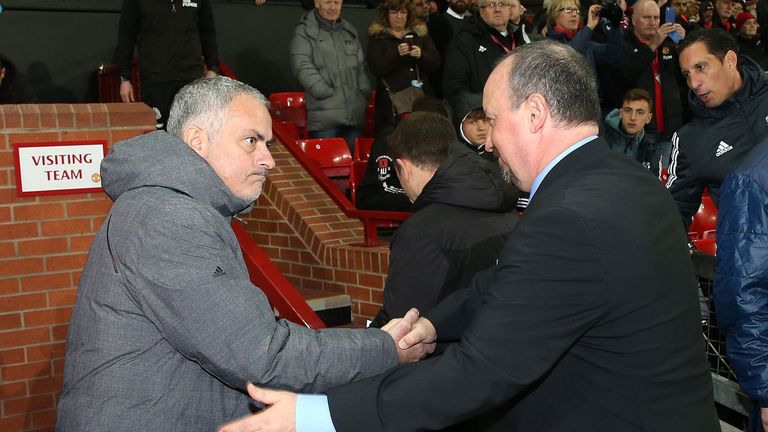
414, 336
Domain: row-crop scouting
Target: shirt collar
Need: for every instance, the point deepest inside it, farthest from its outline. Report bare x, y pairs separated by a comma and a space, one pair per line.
540, 178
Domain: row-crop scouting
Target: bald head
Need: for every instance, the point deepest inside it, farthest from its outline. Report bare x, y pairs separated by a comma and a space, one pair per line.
645, 19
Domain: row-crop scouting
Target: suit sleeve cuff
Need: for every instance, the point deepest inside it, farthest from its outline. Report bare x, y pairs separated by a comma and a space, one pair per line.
313, 414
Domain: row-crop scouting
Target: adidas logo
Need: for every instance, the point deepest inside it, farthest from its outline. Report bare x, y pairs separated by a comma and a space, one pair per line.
722, 149
218, 272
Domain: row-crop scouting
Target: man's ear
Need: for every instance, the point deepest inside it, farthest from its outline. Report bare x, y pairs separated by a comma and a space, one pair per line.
731, 60
197, 139
538, 111
403, 168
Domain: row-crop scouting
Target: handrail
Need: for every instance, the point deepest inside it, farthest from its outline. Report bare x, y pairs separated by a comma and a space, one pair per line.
265, 275
370, 218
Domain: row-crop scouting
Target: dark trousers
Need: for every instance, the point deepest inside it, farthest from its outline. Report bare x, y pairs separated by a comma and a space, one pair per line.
159, 96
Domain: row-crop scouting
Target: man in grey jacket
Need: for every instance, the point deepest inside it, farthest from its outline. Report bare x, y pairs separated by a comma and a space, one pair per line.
167, 328
327, 60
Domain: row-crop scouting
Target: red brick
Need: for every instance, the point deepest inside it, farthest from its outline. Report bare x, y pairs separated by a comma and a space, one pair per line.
47, 317
65, 262
85, 135
130, 114
28, 404
5, 177
8, 196
59, 333
22, 302
98, 115
9, 286
12, 115
24, 337
65, 116
36, 137
58, 367
20, 266
32, 212
122, 135
7, 250
48, 116
370, 280
358, 293
45, 385
46, 352
82, 116
18, 230
30, 116
89, 208
13, 390
27, 370
6, 158
80, 243
64, 227
5, 214
10, 321
15, 423
344, 276
67, 197
42, 246
46, 282
12, 356
62, 297
369, 310
43, 418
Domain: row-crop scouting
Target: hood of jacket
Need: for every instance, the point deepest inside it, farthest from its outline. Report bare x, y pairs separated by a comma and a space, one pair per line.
376, 29
313, 25
159, 159
754, 83
467, 180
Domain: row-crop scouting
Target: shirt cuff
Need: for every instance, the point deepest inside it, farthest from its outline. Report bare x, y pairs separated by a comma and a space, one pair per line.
313, 414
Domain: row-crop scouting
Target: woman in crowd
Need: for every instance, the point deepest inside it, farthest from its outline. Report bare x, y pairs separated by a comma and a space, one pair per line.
400, 54
749, 39
564, 21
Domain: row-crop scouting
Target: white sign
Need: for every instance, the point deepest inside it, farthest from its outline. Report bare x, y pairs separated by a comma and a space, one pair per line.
59, 167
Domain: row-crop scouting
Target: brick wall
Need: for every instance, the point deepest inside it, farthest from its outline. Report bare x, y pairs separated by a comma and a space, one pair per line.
44, 243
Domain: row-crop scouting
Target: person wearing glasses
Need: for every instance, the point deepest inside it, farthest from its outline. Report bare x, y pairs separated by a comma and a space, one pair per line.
565, 26
473, 53
400, 55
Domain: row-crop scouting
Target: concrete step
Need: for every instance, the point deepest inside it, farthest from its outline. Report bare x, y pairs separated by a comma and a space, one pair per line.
334, 309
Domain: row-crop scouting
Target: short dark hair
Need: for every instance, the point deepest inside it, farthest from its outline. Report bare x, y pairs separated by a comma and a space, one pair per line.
717, 41
422, 138
561, 75
433, 105
393, 5
637, 94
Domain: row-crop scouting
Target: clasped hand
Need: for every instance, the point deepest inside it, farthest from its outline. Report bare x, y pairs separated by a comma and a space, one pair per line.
412, 50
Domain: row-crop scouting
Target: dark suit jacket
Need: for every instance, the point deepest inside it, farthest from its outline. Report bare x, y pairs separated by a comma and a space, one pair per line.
589, 322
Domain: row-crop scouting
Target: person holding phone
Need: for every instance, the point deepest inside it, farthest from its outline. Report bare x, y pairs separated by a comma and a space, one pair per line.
400, 55
650, 63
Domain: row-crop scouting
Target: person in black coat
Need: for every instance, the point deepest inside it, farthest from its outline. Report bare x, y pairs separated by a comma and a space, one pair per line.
749, 41
13, 86
583, 324
461, 216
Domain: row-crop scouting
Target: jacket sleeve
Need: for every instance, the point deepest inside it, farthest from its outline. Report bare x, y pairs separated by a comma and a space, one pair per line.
383, 57
416, 275
207, 30
430, 60
492, 364
226, 324
304, 68
581, 41
610, 51
457, 69
683, 183
363, 80
127, 31
741, 282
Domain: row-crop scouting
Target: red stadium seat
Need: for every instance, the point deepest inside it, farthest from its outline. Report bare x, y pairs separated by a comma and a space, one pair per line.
332, 156
356, 175
290, 106
704, 221
363, 147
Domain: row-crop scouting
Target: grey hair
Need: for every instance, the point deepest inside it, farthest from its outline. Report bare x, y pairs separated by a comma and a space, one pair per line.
561, 75
205, 103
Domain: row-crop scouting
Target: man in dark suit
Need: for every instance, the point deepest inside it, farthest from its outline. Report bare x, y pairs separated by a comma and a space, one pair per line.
590, 319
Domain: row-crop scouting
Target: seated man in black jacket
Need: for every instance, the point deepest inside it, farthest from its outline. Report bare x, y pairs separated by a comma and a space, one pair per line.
461, 215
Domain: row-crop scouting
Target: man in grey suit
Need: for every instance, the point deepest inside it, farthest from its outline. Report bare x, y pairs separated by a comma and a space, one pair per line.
167, 327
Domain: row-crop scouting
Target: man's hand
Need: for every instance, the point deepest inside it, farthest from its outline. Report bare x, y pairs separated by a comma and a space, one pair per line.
259, 2
126, 92
764, 418
660, 35
680, 30
422, 332
399, 328
279, 416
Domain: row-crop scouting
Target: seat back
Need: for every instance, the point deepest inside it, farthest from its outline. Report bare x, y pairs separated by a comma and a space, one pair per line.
332, 156
290, 106
363, 147
704, 221
356, 175
369, 130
